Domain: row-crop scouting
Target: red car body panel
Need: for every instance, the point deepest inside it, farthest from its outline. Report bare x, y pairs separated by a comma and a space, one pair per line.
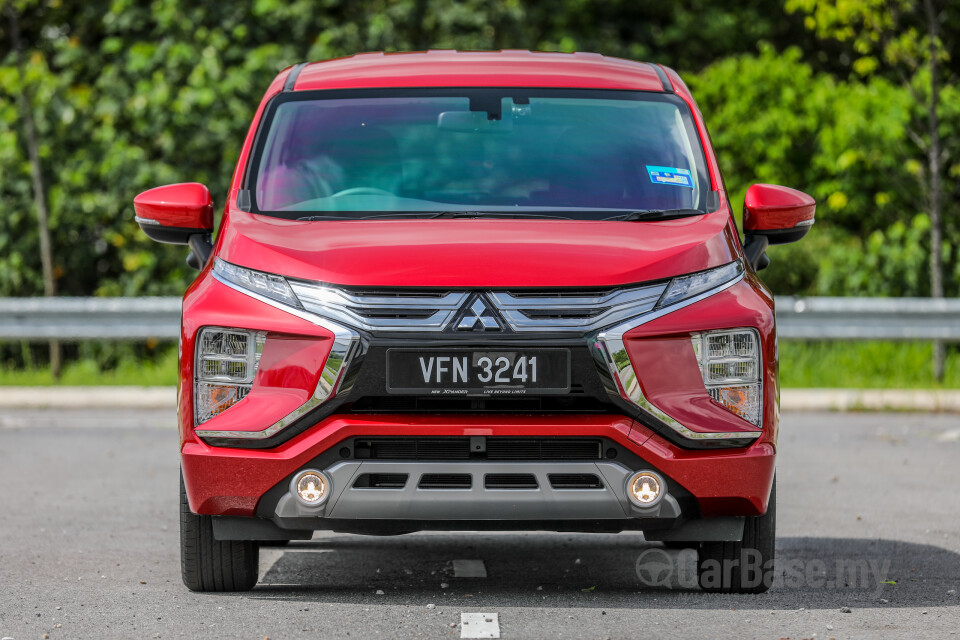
480, 69
488, 254
477, 252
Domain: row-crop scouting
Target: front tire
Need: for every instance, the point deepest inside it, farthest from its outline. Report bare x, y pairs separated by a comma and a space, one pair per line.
207, 564
678, 545
746, 566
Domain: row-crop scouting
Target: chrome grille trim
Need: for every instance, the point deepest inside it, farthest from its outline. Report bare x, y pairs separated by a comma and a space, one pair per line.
381, 311
574, 312
417, 310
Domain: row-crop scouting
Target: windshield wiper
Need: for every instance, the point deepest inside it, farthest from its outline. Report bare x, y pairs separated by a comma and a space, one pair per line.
437, 214
655, 214
323, 218
494, 214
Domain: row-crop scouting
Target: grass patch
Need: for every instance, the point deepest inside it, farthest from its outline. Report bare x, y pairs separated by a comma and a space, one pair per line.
86, 372
864, 365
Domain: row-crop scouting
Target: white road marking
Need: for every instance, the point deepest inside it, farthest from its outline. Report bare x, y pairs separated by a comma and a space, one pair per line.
949, 436
479, 625
269, 556
469, 569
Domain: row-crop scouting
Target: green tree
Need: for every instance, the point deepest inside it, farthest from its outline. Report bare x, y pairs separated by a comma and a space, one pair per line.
904, 36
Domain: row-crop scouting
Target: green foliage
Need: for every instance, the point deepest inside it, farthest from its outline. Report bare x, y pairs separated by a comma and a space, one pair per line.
94, 370
888, 31
764, 113
773, 119
890, 262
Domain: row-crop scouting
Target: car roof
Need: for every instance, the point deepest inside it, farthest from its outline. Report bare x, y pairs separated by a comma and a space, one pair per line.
478, 69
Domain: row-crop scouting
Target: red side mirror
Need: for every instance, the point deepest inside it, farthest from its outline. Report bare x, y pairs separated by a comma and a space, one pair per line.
781, 214
175, 212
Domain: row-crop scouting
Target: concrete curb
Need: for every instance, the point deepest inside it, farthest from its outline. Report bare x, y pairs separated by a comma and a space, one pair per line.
790, 399
88, 397
870, 400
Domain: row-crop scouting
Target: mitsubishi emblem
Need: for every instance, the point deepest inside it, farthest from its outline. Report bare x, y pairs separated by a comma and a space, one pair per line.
478, 313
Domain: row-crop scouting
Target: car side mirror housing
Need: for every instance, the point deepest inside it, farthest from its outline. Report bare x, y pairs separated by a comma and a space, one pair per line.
774, 215
178, 214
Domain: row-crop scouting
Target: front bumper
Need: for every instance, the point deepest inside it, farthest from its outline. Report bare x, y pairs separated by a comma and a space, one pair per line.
242, 482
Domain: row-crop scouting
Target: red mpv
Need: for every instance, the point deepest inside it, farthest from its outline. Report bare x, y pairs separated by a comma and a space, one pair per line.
477, 291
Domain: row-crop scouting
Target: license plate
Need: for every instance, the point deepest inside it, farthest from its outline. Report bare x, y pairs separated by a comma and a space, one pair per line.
465, 372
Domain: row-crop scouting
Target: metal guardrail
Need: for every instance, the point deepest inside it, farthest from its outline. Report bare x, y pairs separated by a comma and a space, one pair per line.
797, 318
89, 318
868, 318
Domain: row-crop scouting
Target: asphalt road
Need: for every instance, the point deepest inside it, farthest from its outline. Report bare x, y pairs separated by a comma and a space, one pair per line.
89, 549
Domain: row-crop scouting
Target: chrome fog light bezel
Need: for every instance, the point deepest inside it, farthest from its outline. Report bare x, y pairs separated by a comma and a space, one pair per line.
651, 475
297, 491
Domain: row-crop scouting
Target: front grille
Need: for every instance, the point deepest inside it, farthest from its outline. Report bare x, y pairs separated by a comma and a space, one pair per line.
381, 481
576, 402
568, 310
575, 481
543, 449
410, 310
454, 448
413, 449
563, 310
509, 481
445, 481
391, 314
560, 314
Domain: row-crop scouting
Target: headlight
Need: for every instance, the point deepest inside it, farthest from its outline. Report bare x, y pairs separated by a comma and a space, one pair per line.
226, 363
265, 284
694, 284
730, 365
223, 377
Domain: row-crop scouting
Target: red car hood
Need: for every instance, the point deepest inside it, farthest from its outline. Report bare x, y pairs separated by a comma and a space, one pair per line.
501, 253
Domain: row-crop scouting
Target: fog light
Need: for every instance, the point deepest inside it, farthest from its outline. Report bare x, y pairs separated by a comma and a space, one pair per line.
311, 487
645, 488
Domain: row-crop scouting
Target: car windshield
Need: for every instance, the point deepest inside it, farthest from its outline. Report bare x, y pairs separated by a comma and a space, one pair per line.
581, 154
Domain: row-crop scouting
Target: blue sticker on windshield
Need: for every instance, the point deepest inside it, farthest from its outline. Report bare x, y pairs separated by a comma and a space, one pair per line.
670, 175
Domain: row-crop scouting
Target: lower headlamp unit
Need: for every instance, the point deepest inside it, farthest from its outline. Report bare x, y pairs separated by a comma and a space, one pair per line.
731, 366
226, 364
